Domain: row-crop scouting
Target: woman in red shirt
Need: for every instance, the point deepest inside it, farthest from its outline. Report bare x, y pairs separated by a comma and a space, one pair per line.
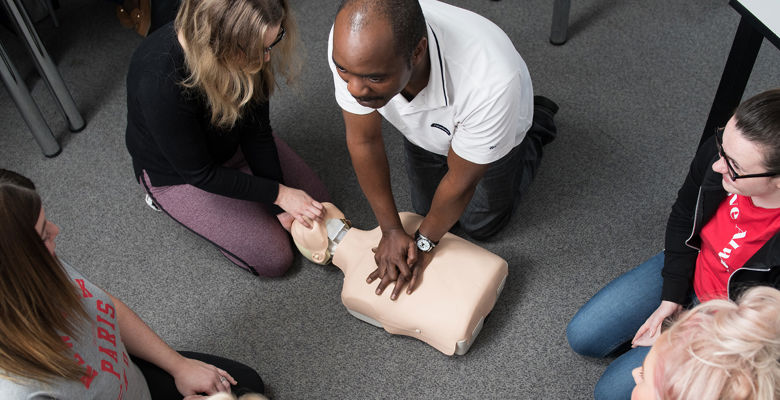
721, 236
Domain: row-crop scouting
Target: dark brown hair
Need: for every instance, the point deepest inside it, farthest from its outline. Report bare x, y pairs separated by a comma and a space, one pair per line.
758, 118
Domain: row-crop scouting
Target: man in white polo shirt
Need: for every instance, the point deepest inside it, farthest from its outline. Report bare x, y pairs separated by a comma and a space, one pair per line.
452, 82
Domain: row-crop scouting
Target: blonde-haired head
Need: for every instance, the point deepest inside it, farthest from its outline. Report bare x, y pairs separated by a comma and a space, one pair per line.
723, 350
224, 51
228, 396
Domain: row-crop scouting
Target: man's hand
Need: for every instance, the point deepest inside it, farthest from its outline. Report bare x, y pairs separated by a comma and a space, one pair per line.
423, 260
394, 258
651, 329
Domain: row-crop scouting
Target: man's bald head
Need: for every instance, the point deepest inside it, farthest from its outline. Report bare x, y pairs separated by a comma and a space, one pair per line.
404, 17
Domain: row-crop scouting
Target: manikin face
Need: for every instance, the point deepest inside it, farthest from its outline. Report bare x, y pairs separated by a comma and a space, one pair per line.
368, 61
47, 230
746, 158
313, 243
644, 376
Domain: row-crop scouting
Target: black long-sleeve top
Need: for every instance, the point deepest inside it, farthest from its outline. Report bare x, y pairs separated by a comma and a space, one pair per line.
169, 134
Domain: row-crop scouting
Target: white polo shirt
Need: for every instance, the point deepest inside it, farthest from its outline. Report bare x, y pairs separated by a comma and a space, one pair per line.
479, 97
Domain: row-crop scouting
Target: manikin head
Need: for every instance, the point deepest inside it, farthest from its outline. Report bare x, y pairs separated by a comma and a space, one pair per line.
718, 350
377, 44
319, 243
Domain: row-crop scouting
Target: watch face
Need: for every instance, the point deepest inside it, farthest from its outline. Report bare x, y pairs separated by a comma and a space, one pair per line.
423, 245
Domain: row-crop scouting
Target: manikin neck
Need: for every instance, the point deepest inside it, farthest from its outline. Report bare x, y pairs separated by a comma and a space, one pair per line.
337, 231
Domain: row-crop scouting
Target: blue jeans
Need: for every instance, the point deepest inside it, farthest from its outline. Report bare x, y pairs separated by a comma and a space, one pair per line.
610, 319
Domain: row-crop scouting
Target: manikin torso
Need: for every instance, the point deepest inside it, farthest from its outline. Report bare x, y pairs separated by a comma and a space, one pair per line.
458, 289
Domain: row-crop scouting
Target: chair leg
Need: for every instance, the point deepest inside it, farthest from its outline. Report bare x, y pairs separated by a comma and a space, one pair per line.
50, 7
30, 112
45, 65
560, 21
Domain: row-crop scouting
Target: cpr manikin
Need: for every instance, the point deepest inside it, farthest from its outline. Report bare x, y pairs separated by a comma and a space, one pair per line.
459, 286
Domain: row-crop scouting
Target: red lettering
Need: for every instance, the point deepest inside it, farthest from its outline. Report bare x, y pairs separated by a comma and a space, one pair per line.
125, 359
122, 388
109, 352
78, 358
67, 341
106, 365
103, 334
89, 377
106, 308
84, 291
100, 319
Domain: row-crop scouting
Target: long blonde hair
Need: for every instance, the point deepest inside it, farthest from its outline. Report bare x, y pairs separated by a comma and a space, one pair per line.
38, 301
224, 43
723, 350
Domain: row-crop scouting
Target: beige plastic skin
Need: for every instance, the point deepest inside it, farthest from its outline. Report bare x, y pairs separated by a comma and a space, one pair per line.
459, 287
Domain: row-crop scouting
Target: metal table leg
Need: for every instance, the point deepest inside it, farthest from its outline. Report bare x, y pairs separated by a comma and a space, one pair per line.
45, 65
742, 57
560, 21
30, 112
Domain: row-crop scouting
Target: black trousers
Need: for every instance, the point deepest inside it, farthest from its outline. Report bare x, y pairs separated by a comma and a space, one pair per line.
499, 191
163, 387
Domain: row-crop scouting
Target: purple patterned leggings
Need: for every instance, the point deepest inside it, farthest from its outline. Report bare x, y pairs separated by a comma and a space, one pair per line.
246, 232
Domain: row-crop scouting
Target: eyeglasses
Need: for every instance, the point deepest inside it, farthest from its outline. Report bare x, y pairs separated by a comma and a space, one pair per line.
278, 39
733, 173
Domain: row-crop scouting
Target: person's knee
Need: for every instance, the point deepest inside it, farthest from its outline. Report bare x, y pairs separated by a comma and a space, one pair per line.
273, 265
614, 384
589, 336
480, 228
266, 261
579, 335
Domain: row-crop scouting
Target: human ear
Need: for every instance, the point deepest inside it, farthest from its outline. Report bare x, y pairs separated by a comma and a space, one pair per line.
419, 51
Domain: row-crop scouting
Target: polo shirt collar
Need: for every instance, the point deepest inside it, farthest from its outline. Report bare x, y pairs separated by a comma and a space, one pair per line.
434, 94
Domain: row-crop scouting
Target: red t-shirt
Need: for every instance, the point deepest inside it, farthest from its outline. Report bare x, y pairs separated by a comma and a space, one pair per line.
736, 232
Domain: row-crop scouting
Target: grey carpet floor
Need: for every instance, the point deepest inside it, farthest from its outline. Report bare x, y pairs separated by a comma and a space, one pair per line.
635, 82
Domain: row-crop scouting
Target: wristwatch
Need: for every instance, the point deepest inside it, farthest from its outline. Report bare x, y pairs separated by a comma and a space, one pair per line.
423, 243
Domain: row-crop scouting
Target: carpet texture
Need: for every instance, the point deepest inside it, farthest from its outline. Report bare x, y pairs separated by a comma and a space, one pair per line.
634, 83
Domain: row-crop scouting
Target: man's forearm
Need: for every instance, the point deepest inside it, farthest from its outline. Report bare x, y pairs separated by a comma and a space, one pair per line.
452, 195
373, 173
449, 202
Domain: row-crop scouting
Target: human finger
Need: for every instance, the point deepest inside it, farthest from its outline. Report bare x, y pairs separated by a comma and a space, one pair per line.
411, 253
303, 221
229, 377
639, 333
399, 284
413, 282
404, 271
223, 385
389, 270
319, 209
383, 284
373, 276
